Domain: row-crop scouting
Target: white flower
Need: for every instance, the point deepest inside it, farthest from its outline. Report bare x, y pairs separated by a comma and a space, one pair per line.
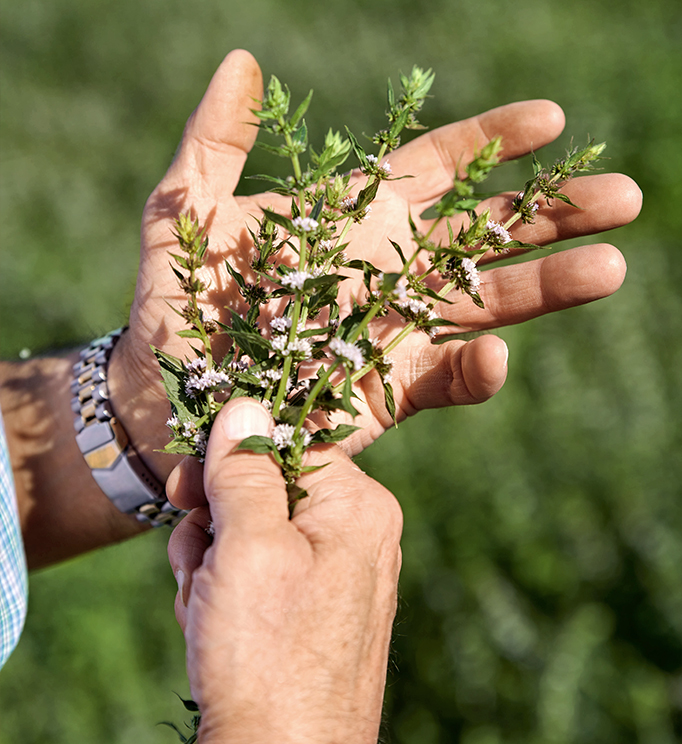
269, 376
200, 441
372, 159
211, 379
196, 366
326, 245
349, 204
283, 436
173, 422
305, 224
280, 325
388, 373
472, 274
300, 346
385, 168
347, 352
497, 234
296, 279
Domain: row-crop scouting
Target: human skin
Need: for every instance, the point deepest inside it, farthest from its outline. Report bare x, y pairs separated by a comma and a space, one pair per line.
287, 622
62, 510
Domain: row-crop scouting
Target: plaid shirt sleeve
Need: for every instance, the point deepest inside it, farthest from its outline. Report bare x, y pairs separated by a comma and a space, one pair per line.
13, 577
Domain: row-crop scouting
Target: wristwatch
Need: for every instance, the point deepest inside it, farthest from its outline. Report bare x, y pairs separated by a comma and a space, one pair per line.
115, 465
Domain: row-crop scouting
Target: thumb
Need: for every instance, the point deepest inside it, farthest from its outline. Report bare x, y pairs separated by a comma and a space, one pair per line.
245, 491
221, 132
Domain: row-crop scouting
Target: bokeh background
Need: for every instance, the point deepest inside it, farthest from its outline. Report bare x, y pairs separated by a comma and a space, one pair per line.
541, 594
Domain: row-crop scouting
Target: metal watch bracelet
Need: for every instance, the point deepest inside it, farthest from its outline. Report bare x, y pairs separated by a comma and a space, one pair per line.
115, 465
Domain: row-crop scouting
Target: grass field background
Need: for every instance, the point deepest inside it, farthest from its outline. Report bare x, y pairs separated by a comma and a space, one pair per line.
541, 594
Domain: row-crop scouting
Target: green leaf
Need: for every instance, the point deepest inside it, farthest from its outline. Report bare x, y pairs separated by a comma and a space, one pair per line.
389, 400
338, 434
279, 151
362, 265
235, 275
259, 445
565, 199
190, 705
367, 195
189, 333
398, 250
346, 395
300, 136
279, 219
173, 374
357, 148
313, 468
317, 209
300, 111
249, 339
183, 739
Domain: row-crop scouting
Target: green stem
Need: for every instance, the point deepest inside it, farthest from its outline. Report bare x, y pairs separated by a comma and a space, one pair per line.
312, 396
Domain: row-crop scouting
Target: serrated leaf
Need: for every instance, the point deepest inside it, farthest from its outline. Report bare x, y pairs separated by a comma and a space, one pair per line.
249, 339
173, 374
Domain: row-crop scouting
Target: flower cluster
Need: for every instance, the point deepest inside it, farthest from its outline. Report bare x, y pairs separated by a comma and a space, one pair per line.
297, 348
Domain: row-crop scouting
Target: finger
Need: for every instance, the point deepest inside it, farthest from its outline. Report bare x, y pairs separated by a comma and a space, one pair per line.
246, 491
185, 484
186, 547
221, 132
514, 294
454, 373
346, 508
433, 158
605, 202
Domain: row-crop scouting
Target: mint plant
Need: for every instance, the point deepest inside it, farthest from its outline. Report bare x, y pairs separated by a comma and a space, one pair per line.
305, 359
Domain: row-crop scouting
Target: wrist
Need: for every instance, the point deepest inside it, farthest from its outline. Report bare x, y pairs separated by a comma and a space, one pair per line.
139, 401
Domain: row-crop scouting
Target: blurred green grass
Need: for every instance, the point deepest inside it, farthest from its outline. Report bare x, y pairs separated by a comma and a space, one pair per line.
541, 595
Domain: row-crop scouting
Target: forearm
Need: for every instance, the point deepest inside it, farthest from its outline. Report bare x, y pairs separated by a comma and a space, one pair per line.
62, 510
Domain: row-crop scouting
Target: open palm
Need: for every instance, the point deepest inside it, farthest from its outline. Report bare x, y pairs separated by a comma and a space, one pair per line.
202, 180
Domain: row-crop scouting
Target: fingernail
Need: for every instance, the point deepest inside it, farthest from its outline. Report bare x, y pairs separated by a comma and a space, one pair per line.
506, 354
246, 419
180, 578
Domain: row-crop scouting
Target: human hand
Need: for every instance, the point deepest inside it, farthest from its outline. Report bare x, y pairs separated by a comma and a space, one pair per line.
287, 621
202, 179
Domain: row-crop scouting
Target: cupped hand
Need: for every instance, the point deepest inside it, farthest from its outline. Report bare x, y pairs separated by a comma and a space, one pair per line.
287, 622
202, 180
